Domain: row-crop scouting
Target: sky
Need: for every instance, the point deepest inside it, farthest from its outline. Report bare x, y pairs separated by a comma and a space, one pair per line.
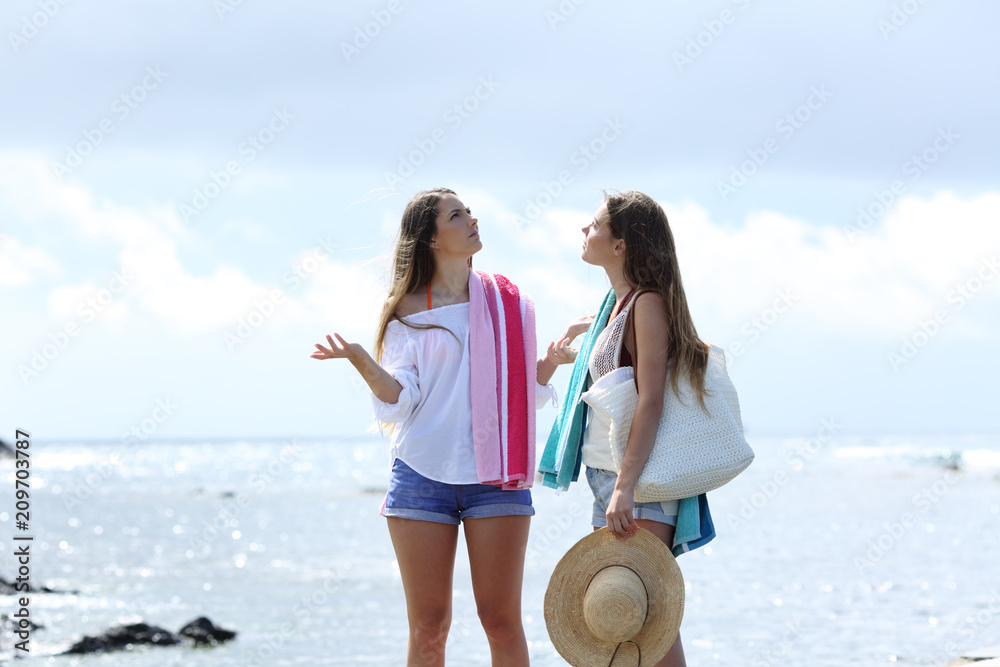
192, 194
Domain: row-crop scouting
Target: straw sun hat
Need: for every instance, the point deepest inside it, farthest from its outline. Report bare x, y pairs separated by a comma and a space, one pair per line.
615, 602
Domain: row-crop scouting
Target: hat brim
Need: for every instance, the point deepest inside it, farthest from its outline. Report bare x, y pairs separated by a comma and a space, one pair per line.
648, 557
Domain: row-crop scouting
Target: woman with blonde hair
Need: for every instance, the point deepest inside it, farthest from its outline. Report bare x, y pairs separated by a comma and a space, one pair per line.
631, 240
462, 452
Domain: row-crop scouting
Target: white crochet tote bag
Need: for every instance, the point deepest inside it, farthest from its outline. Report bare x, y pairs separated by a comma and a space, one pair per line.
695, 451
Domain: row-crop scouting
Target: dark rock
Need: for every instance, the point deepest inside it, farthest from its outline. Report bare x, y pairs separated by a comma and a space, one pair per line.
952, 462
6, 619
9, 588
205, 633
124, 637
6, 451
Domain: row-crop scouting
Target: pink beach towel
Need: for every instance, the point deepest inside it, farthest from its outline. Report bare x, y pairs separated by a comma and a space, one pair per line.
502, 349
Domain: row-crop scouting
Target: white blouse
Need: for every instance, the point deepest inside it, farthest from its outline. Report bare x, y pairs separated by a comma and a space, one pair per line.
433, 414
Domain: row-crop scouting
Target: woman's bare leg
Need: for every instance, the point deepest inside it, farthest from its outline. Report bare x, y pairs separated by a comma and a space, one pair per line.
425, 551
665, 533
496, 555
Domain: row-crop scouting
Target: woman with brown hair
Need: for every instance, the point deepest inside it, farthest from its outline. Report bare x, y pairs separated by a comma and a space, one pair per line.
462, 452
631, 240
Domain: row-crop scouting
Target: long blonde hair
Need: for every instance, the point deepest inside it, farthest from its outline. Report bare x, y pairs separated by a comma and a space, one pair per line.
651, 264
413, 262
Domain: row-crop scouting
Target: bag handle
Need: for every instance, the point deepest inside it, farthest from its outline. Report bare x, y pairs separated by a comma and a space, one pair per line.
635, 346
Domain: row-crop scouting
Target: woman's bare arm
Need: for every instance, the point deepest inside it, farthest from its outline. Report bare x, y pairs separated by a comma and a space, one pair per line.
650, 322
385, 387
559, 352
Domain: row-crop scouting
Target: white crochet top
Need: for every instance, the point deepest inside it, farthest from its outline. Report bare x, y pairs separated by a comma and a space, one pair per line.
603, 360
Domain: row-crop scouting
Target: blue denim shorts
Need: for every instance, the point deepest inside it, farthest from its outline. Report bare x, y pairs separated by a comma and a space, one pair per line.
602, 483
413, 496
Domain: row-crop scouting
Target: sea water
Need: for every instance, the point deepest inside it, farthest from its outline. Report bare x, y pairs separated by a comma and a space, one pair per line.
830, 551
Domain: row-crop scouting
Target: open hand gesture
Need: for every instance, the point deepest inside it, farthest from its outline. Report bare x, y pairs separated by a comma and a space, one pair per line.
339, 349
577, 327
560, 352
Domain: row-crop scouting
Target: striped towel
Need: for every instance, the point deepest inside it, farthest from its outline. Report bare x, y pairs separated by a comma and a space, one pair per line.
502, 349
560, 463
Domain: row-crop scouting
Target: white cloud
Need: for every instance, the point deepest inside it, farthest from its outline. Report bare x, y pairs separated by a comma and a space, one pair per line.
330, 294
21, 265
88, 300
247, 230
342, 298
901, 270
896, 273
158, 284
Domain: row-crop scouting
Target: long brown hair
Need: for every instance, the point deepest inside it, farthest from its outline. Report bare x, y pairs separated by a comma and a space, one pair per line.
413, 262
651, 264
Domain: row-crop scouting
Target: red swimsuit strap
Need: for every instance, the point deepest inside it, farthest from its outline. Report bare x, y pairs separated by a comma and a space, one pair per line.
625, 301
625, 358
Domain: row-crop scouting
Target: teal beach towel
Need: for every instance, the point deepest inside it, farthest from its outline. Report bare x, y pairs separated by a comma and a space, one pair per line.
560, 462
